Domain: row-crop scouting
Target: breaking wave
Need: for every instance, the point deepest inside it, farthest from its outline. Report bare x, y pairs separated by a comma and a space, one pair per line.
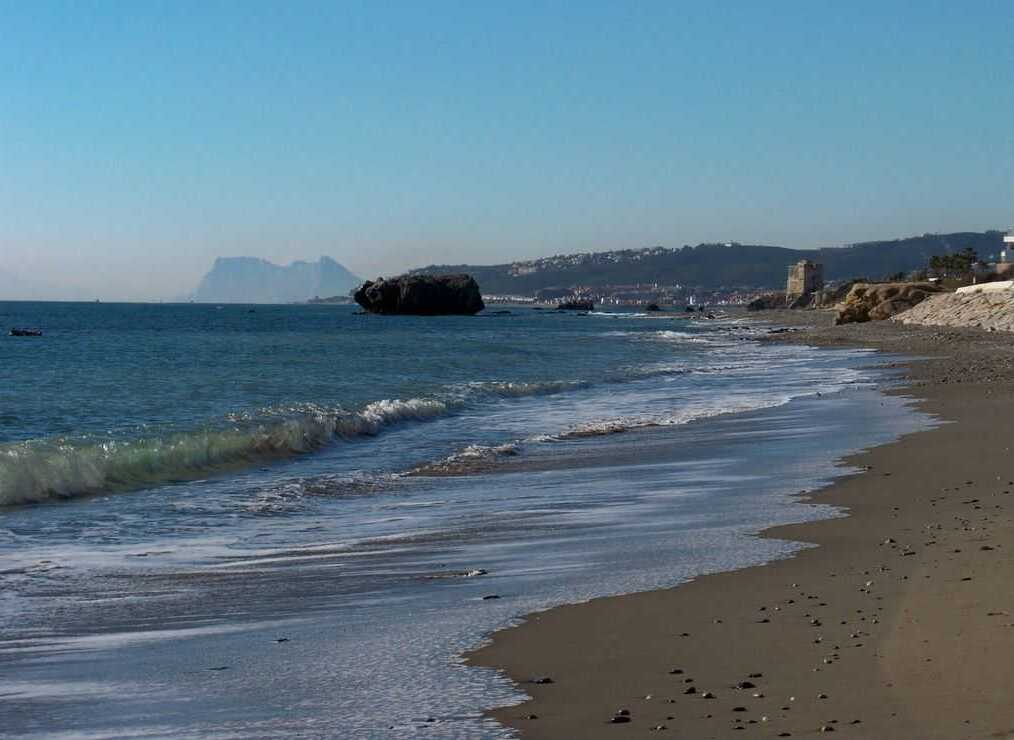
473, 458
480, 458
51, 469
41, 470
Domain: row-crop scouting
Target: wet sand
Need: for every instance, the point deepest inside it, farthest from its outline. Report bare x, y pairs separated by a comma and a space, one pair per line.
899, 624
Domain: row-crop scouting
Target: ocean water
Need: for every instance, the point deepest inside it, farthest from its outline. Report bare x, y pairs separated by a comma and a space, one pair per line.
253, 521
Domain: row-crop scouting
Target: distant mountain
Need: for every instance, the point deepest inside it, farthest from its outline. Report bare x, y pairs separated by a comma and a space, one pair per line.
252, 280
712, 266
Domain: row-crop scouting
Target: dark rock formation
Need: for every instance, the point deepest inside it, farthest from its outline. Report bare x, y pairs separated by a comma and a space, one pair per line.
576, 306
878, 301
421, 295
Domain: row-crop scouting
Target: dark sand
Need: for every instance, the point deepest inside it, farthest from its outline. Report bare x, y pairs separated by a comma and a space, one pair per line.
899, 625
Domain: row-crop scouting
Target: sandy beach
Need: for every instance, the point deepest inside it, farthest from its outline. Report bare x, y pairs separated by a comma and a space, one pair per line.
898, 624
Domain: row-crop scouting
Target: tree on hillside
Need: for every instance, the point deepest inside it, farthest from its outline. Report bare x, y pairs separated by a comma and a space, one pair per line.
954, 264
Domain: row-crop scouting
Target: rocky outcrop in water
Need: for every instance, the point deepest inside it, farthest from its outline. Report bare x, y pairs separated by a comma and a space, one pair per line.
989, 310
576, 305
878, 301
421, 295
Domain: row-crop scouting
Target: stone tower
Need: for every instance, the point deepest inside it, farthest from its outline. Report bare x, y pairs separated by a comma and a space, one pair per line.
805, 277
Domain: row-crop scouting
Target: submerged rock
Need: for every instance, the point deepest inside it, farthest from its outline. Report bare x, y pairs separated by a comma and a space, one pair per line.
421, 295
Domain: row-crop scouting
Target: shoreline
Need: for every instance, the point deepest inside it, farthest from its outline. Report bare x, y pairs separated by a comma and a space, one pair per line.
849, 636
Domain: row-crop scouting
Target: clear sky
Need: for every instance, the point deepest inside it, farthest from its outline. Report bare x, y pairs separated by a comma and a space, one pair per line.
140, 140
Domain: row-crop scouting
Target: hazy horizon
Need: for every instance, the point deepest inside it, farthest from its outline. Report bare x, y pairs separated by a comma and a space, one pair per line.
139, 143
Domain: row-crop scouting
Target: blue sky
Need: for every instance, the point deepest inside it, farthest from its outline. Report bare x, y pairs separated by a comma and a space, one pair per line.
138, 141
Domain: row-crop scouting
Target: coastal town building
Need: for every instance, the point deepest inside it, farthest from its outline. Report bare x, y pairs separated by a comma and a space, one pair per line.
805, 277
1004, 267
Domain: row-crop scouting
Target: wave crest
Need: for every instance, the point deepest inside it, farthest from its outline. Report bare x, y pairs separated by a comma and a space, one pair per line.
39, 470
48, 469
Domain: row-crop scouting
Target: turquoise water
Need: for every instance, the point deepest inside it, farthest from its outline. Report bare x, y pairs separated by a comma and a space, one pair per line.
183, 485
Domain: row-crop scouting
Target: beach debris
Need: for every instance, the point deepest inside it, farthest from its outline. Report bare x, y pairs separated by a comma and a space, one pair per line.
490, 597
281, 639
756, 675
531, 716
707, 695
542, 680
219, 668
676, 672
821, 696
827, 728
691, 690
458, 574
746, 685
659, 728
739, 709
621, 716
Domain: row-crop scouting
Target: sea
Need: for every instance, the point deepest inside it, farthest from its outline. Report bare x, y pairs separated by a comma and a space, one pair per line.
240, 521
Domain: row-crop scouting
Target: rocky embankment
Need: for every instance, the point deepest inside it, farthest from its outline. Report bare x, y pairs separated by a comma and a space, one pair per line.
992, 311
879, 301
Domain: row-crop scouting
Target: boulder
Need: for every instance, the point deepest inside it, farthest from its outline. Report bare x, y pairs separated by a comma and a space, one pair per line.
766, 302
802, 301
421, 295
879, 301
